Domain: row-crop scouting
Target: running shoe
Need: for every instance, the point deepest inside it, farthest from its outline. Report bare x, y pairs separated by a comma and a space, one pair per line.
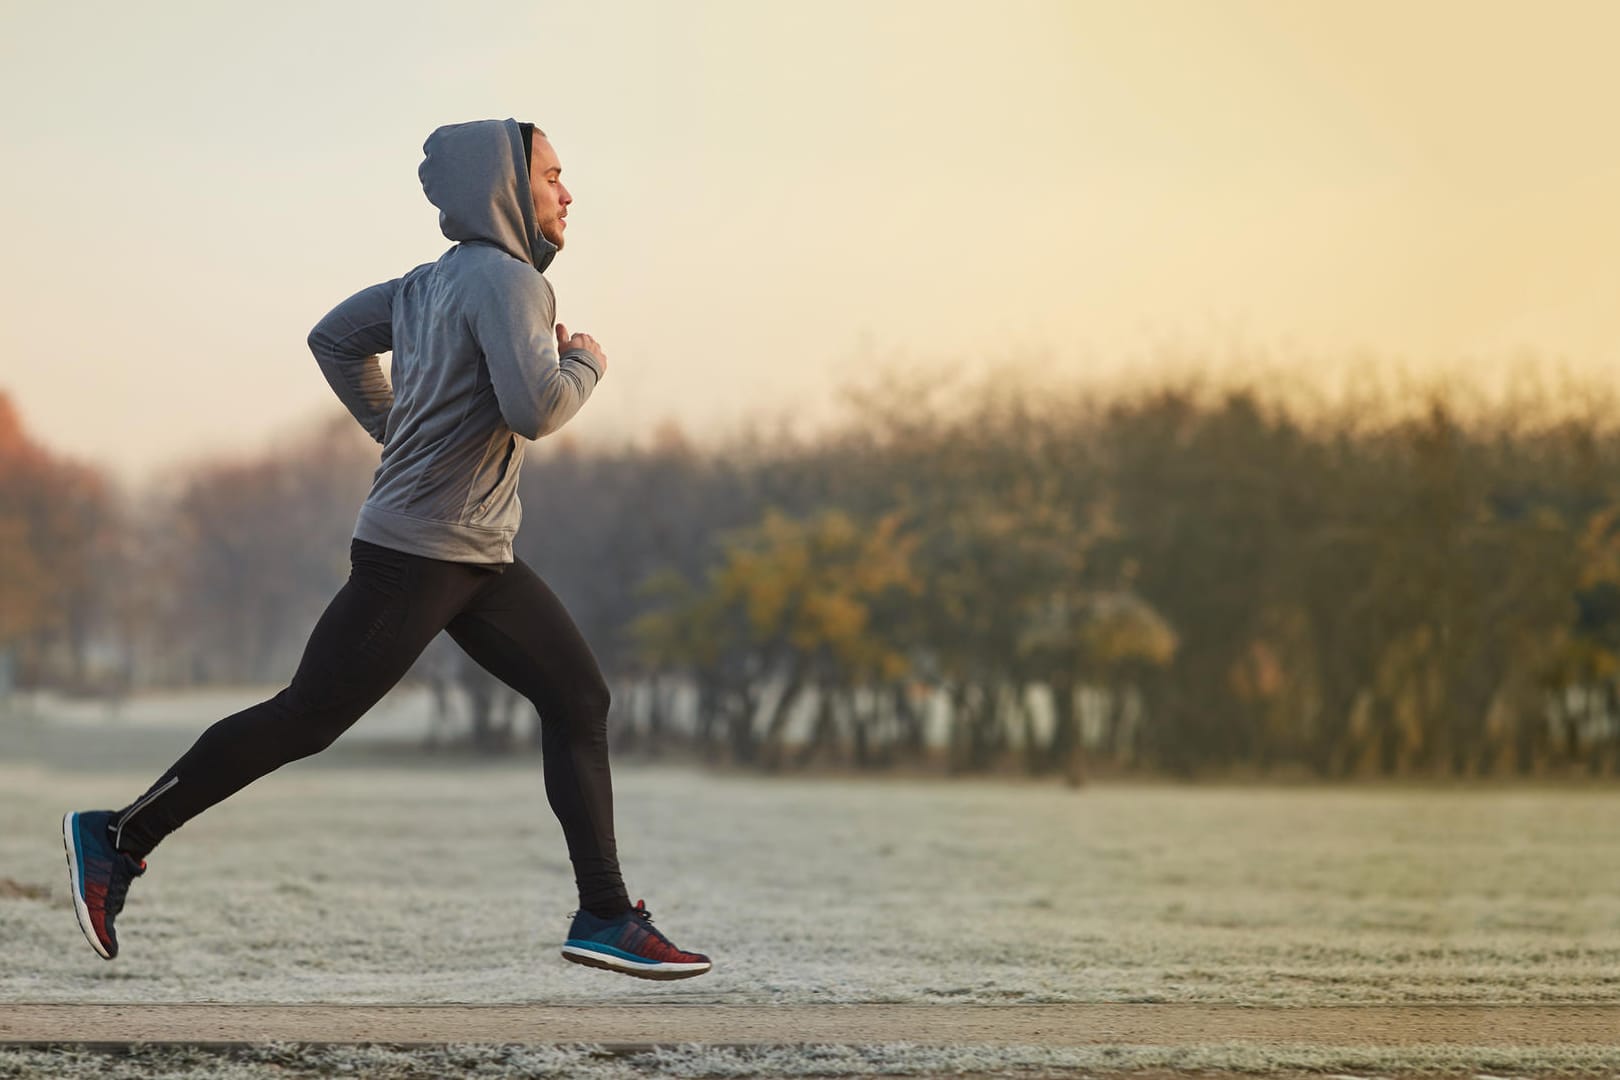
630, 945
99, 874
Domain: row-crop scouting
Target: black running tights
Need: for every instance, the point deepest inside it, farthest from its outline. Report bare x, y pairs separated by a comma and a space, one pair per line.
373, 630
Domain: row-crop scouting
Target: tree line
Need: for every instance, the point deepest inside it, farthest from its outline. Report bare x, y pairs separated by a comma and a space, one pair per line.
1192, 578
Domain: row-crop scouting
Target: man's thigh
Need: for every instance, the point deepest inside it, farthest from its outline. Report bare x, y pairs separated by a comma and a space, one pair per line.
519, 631
379, 622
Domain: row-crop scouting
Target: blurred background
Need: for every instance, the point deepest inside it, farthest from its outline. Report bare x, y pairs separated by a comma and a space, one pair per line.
1065, 388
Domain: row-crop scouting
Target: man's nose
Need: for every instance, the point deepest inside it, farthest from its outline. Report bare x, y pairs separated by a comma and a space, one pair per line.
566, 197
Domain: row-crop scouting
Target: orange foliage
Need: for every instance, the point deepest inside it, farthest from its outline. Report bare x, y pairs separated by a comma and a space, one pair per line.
52, 515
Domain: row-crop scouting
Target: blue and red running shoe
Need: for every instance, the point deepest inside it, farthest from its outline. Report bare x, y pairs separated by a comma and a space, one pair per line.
100, 875
631, 945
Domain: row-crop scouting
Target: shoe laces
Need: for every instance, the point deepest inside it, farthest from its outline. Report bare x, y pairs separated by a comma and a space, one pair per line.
646, 923
118, 887
640, 908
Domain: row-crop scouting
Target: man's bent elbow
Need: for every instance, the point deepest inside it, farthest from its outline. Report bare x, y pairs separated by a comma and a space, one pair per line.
320, 344
530, 425
548, 425
543, 418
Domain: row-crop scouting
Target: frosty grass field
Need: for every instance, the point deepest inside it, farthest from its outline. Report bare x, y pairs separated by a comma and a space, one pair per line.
346, 879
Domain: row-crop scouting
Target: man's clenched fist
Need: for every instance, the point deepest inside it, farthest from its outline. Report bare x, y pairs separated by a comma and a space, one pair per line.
566, 341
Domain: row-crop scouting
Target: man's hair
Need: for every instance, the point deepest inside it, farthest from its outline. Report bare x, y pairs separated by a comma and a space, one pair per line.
529, 132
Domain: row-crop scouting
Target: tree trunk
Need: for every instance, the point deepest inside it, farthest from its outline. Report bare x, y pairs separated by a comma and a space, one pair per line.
781, 712
913, 735
824, 733
860, 735
1063, 751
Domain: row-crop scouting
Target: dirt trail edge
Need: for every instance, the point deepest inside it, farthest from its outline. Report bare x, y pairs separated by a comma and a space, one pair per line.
636, 1026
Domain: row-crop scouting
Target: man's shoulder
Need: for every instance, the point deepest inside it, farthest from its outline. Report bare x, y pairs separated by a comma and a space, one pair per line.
488, 282
486, 268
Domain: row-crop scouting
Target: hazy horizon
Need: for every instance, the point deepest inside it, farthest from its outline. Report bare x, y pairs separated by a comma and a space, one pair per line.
770, 201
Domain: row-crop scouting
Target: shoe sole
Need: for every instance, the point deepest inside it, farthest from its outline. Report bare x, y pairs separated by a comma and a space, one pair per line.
660, 972
79, 908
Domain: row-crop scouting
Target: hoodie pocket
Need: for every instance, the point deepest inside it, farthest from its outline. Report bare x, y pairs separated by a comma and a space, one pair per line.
500, 478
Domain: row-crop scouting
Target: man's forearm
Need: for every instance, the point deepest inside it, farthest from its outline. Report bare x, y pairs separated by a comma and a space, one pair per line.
359, 383
346, 344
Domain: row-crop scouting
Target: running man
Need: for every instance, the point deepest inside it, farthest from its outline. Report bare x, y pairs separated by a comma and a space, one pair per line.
479, 368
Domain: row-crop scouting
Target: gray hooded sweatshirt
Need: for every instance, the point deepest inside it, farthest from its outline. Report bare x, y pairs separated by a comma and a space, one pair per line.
475, 370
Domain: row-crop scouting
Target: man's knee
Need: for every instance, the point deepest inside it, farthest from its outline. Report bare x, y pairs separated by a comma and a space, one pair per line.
598, 700
309, 726
581, 713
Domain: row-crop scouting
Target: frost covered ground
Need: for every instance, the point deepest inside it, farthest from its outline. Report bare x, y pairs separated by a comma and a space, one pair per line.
429, 880
371, 876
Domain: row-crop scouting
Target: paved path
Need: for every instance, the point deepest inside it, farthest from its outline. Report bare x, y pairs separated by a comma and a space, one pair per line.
628, 1027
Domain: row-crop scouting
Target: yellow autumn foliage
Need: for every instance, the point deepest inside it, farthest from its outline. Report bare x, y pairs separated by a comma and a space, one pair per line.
806, 584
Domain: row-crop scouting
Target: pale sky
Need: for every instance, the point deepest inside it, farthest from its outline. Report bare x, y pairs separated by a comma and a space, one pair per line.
774, 198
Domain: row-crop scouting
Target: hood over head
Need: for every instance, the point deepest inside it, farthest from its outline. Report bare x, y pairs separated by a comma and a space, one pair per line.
478, 177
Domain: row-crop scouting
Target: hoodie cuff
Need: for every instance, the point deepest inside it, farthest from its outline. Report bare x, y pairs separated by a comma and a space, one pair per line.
585, 357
